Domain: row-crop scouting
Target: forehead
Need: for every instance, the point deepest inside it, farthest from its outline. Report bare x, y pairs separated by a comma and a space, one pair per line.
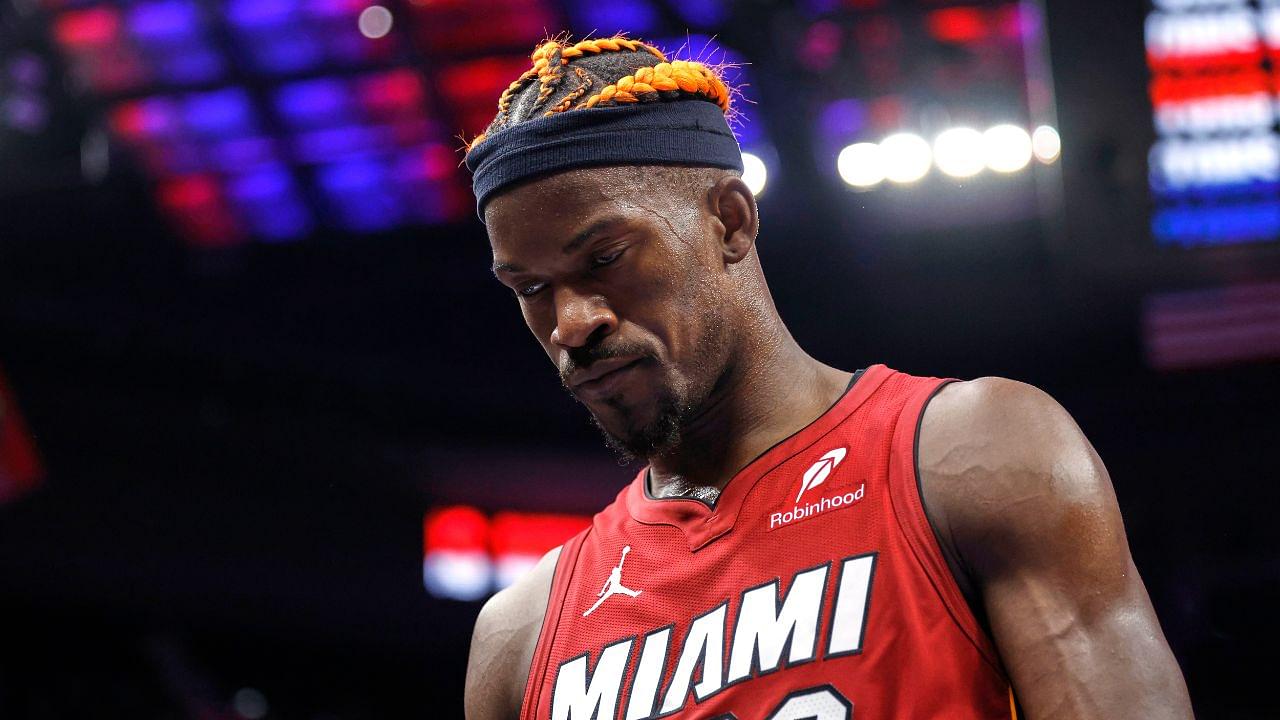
563, 200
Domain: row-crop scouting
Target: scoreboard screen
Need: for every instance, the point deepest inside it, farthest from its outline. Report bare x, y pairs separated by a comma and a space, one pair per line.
1215, 166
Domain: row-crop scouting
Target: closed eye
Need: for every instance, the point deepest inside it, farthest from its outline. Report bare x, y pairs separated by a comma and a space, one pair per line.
530, 290
607, 259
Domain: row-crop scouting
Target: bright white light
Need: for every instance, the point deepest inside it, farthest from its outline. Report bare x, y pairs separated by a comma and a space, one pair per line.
457, 574
1006, 148
861, 165
512, 566
754, 173
1046, 144
907, 157
375, 22
958, 152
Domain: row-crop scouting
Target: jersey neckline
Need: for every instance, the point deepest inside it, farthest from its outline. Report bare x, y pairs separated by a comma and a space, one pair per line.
702, 523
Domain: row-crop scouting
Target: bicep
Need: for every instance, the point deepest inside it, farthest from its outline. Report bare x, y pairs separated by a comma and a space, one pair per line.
502, 644
1031, 509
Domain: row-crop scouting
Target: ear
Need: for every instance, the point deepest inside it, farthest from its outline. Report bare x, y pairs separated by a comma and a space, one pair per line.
734, 205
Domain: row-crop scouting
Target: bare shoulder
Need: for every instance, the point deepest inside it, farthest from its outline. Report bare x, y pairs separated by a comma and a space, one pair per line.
503, 642
1003, 467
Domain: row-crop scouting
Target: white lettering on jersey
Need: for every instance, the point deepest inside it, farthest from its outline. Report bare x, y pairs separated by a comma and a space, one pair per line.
704, 645
577, 699
653, 660
852, 595
765, 628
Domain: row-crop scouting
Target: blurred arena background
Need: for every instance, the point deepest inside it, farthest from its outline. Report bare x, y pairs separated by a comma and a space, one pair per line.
270, 432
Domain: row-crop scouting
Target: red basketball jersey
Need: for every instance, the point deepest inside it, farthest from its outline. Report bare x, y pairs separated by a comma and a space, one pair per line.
814, 588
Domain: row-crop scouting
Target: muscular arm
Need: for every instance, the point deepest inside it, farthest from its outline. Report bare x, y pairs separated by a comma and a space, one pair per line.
1022, 502
503, 642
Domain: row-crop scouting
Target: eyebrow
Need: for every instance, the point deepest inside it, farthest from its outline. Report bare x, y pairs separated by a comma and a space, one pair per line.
570, 247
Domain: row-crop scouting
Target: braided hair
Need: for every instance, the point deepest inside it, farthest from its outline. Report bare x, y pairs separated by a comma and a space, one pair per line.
601, 73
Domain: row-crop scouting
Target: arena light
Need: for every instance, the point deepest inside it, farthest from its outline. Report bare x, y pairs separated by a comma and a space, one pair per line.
958, 152
467, 555
754, 172
861, 165
907, 157
1006, 148
375, 22
1046, 144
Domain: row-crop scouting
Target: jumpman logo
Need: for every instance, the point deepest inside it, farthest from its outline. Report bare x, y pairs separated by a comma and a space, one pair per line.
614, 584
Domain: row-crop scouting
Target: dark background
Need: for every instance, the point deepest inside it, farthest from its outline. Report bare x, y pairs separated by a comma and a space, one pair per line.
241, 444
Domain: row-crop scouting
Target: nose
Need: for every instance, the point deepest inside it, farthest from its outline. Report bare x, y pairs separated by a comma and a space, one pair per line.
579, 316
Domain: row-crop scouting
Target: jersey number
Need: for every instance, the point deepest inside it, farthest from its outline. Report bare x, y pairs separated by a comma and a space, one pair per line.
816, 703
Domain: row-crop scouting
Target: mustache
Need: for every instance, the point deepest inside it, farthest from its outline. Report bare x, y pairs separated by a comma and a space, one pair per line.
583, 357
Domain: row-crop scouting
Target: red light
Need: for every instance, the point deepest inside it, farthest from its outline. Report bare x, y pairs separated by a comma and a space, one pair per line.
194, 203
87, 28
957, 25
455, 528
391, 93
515, 533
20, 469
1175, 88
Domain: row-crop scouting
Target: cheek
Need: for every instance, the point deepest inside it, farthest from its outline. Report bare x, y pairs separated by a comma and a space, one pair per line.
539, 321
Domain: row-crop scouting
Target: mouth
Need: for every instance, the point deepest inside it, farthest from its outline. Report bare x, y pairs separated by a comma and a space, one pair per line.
603, 377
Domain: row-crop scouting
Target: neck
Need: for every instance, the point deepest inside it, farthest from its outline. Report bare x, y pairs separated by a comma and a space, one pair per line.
771, 391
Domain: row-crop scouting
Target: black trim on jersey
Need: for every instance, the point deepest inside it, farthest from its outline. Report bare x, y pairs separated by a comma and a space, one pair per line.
701, 661
753, 670
839, 696
712, 505
866, 609
975, 607
625, 701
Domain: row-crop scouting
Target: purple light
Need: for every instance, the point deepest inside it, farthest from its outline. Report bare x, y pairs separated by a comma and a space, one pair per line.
704, 13
190, 65
361, 196
285, 51
261, 14
268, 199
26, 112
842, 120
244, 152
340, 143
28, 69
314, 103
165, 22
219, 113
610, 16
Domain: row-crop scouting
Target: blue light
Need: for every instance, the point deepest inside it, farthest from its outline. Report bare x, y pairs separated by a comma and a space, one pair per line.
610, 16
361, 196
314, 103
703, 13
165, 22
1200, 226
260, 14
219, 113
285, 51
243, 152
318, 146
268, 199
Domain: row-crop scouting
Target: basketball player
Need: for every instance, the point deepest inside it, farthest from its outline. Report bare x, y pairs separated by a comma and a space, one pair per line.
805, 542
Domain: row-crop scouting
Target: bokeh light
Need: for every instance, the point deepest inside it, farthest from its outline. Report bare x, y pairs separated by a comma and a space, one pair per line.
1006, 148
861, 165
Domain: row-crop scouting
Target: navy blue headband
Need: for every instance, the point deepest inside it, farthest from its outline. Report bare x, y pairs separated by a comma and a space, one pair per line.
679, 132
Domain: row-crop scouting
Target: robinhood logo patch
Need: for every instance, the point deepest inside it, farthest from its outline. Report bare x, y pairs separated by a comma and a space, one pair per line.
818, 472
815, 476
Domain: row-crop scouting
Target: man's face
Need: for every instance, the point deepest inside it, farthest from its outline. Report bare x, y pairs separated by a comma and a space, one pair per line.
619, 277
